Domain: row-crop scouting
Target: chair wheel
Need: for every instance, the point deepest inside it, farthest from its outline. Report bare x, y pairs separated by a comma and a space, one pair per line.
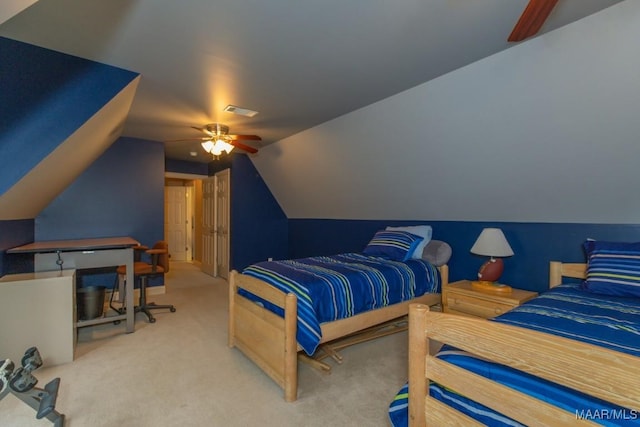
152, 320
172, 309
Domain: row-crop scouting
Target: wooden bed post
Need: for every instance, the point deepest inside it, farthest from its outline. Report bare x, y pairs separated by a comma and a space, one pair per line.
555, 273
231, 342
559, 270
444, 275
290, 348
418, 347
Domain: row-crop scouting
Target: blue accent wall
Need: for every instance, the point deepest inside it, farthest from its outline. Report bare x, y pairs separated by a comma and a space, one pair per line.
45, 97
120, 194
534, 244
259, 227
182, 166
15, 233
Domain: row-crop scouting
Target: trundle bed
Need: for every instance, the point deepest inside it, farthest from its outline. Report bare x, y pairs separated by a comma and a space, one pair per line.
581, 367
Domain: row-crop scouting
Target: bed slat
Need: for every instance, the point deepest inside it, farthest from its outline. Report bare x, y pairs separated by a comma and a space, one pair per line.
340, 328
558, 270
502, 399
258, 288
443, 415
572, 363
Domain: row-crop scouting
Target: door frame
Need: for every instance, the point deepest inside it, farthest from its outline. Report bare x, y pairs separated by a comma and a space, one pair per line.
218, 228
195, 232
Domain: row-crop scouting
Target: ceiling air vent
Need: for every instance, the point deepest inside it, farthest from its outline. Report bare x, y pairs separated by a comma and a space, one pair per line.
240, 111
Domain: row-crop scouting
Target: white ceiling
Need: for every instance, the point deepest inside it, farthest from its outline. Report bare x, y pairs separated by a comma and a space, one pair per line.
299, 64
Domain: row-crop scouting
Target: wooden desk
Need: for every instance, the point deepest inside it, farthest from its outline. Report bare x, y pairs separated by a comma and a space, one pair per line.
87, 253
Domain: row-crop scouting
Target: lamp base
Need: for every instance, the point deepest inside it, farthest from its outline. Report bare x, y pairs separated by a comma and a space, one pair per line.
491, 270
485, 286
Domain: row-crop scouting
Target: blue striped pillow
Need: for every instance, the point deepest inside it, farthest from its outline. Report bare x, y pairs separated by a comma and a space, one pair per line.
393, 245
613, 268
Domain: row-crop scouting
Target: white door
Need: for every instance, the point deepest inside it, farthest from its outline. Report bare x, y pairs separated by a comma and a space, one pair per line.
223, 213
177, 222
208, 226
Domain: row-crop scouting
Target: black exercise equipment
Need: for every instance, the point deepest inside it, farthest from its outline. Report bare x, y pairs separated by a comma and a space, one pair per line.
22, 384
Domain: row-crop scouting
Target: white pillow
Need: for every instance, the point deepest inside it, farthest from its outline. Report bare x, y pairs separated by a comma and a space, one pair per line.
423, 231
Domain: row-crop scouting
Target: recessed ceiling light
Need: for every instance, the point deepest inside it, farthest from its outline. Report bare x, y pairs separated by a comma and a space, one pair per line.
240, 111
193, 153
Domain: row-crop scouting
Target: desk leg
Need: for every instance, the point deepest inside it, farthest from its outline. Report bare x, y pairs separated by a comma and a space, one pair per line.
129, 304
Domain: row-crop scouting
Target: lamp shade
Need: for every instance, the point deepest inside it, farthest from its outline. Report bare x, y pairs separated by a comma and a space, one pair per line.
491, 242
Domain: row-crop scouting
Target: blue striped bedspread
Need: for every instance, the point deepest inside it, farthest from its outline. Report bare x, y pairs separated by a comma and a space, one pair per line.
335, 287
569, 311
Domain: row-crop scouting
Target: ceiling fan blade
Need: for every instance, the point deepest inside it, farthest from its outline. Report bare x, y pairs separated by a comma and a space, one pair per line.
243, 147
248, 137
531, 20
204, 130
201, 139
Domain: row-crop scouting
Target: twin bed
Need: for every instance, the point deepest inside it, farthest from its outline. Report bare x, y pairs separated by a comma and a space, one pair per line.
281, 312
569, 356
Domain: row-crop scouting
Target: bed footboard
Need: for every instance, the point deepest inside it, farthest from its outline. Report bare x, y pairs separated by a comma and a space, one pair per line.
595, 371
266, 338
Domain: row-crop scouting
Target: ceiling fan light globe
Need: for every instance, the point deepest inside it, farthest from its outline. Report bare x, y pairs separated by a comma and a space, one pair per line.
208, 146
219, 141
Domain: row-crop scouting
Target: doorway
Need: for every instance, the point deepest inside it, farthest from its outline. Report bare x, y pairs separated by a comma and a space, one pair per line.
179, 221
183, 216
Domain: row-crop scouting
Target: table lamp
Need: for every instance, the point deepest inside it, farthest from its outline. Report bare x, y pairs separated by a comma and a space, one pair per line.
493, 244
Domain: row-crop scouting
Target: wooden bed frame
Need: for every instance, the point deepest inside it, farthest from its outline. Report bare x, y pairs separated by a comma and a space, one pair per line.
270, 340
596, 371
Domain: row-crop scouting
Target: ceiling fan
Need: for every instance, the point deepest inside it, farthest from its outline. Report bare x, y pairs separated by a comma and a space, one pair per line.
531, 20
218, 139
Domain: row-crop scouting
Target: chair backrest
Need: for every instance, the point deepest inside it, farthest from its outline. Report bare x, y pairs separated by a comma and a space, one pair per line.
163, 259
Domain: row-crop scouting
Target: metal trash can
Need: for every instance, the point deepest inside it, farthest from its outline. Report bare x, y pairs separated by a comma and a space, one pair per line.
90, 302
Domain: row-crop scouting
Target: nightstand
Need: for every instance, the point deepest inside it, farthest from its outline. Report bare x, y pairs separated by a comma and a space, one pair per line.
460, 298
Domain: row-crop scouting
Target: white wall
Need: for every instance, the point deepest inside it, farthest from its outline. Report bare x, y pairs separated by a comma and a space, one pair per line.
546, 131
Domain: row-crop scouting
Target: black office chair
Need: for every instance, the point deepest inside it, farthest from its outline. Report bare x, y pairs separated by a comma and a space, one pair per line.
142, 271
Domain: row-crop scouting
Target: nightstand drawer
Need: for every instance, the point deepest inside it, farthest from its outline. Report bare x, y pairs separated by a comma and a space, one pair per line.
475, 306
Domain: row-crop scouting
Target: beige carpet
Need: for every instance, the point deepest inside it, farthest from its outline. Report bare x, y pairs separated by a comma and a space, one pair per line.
180, 372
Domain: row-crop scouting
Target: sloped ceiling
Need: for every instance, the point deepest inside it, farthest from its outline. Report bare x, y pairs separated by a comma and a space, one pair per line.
299, 64
10, 8
544, 132
387, 109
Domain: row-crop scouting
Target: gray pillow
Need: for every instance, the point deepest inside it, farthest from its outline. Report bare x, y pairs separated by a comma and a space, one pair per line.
437, 252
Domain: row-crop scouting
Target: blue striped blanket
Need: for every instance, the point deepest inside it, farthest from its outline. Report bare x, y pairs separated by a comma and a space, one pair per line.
569, 311
339, 286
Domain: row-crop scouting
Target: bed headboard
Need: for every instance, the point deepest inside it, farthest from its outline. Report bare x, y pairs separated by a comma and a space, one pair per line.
558, 270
